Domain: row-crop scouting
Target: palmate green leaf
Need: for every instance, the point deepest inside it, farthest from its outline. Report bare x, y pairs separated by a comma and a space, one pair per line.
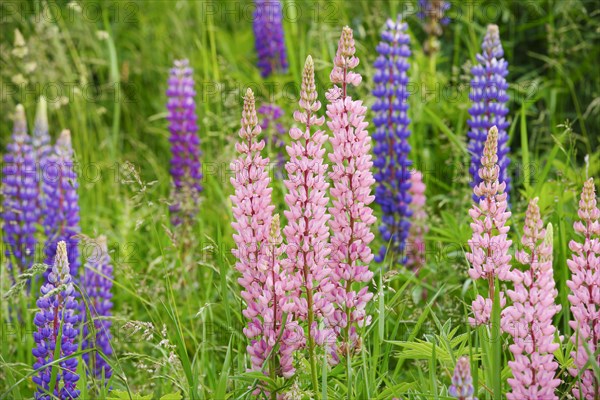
172, 396
422, 350
123, 395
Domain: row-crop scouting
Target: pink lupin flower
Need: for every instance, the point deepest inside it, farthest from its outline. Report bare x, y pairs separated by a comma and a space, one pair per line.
585, 294
352, 181
418, 226
307, 232
529, 319
489, 257
258, 250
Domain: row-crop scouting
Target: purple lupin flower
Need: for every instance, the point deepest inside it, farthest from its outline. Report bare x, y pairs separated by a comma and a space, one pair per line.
271, 114
435, 10
462, 382
489, 98
97, 286
19, 194
185, 144
61, 222
268, 37
57, 318
391, 146
432, 12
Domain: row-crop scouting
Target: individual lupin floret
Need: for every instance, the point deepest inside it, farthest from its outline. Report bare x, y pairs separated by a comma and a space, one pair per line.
60, 185
585, 294
265, 285
462, 382
268, 37
489, 256
489, 98
391, 147
186, 169
97, 291
352, 217
529, 319
19, 196
56, 319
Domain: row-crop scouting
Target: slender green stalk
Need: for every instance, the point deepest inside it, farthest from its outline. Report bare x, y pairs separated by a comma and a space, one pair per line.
311, 343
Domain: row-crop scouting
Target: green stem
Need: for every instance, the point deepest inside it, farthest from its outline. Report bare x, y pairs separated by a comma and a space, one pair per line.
311, 345
272, 367
348, 362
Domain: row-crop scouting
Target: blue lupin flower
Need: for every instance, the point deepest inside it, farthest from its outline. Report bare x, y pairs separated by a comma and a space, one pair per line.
61, 222
433, 15
19, 194
434, 9
57, 318
268, 37
489, 98
391, 134
186, 169
97, 286
462, 382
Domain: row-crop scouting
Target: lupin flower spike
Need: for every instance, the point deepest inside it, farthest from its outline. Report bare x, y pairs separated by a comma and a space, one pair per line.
41, 137
489, 256
585, 294
462, 382
489, 98
97, 286
19, 196
42, 148
433, 13
258, 249
60, 191
391, 140
307, 232
415, 255
186, 169
56, 319
352, 217
268, 37
529, 319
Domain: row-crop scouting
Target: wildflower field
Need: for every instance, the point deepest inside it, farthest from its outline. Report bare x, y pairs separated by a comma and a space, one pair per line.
297, 199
